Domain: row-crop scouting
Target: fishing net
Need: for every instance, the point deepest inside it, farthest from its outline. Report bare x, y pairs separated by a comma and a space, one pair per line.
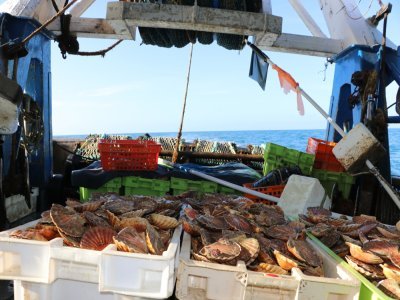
180, 38
232, 41
204, 37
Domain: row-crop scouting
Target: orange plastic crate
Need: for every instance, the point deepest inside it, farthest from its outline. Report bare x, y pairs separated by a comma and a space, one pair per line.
273, 190
324, 158
129, 155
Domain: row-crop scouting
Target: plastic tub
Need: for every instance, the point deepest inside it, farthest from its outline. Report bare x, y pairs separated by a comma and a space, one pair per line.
180, 186
324, 158
368, 291
133, 274
147, 187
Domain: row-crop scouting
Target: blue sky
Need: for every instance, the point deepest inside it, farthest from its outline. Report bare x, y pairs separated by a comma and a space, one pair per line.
139, 88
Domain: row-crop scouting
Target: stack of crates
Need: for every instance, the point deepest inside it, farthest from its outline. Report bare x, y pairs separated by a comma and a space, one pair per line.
112, 186
133, 185
276, 156
327, 169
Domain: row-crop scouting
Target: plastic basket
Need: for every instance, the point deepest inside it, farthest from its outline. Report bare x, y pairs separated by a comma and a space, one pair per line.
276, 156
112, 186
324, 158
180, 186
146, 187
129, 155
273, 190
329, 179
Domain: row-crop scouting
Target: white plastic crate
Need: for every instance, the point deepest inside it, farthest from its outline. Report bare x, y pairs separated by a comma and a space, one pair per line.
337, 284
201, 280
16, 207
63, 289
143, 275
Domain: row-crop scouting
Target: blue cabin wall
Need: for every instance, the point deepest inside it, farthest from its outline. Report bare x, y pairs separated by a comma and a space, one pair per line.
355, 58
34, 76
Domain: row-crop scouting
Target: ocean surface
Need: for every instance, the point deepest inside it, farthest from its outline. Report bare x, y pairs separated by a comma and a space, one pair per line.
295, 139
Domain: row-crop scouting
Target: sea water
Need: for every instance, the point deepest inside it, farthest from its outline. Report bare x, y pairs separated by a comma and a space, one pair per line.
294, 139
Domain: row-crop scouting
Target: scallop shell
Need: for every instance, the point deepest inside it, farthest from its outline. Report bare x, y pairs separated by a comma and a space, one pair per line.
304, 219
395, 258
94, 220
140, 224
153, 240
97, 238
286, 262
233, 236
388, 233
265, 256
362, 219
118, 206
390, 287
89, 206
221, 251
398, 226
252, 246
330, 239
282, 232
391, 272
337, 222
72, 203
199, 257
49, 232
190, 228
318, 211
349, 227
132, 214
130, 240
112, 218
190, 213
363, 238
209, 237
165, 236
321, 230
67, 221
70, 240
163, 222
366, 257
212, 223
317, 271
238, 223
380, 247
303, 251
350, 240
28, 234
341, 249
371, 271
268, 268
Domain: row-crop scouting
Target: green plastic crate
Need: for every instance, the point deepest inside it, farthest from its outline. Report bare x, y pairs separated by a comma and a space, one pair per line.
147, 187
368, 290
112, 186
225, 190
180, 186
328, 180
276, 156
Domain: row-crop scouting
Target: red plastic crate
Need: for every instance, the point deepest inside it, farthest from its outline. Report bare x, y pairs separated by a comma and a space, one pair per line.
129, 155
324, 158
273, 190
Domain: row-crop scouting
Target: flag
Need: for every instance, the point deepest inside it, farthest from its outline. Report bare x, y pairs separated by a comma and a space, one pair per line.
258, 70
289, 84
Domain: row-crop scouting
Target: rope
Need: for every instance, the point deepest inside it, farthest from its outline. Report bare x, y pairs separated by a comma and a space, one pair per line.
25, 40
178, 141
100, 52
